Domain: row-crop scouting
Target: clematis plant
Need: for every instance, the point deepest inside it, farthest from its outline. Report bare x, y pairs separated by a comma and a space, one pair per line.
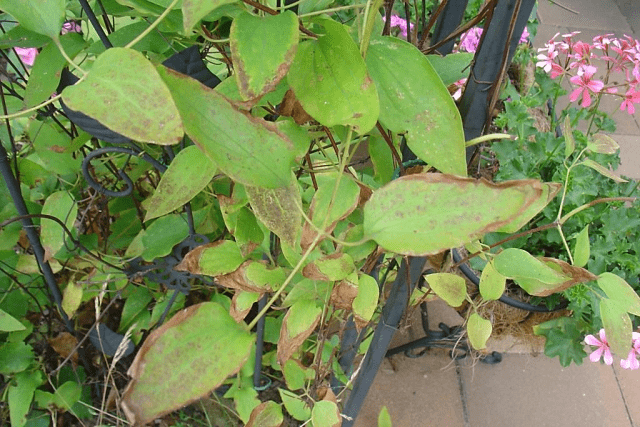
603, 351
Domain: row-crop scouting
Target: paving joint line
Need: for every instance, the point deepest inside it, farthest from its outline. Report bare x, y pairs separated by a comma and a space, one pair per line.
463, 395
624, 400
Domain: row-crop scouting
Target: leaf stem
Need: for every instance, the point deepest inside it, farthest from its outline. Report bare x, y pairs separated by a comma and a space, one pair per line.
335, 9
153, 25
370, 11
29, 110
66, 57
485, 138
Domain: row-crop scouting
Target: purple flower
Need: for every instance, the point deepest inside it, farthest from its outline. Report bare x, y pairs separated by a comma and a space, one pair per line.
470, 39
27, 55
71, 27
397, 22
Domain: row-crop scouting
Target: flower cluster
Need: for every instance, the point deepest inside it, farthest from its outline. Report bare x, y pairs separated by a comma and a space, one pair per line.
397, 22
604, 351
576, 59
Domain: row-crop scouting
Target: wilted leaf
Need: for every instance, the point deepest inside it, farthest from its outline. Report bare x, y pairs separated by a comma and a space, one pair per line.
212, 259
450, 287
262, 48
344, 292
241, 304
581, 250
479, 331
188, 174
492, 283
618, 290
602, 170
603, 144
267, 414
617, 326
427, 213
299, 322
72, 298
124, 92
329, 78
569, 142
202, 343
330, 268
253, 276
65, 345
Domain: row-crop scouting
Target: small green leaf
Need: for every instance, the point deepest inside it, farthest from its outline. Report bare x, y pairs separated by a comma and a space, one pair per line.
563, 339
452, 67
248, 233
479, 331
581, 250
15, 357
569, 142
450, 287
62, 206
617, 326
194, 10
52, 149
603, 144
8, 323
162, 235
325, 414
72, 298
492, 283
295, 406
519, 264
42, 17
63, 398
602, 170
135, 304
21, 394
188, 174
294, 374
202, 343
366, 302
384, 419
250, 150
124, 92
408, 215
329, 78
262, 48
618, 290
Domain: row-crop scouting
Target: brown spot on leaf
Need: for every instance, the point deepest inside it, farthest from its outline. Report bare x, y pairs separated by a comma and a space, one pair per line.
343, 295
64, 344
291, 107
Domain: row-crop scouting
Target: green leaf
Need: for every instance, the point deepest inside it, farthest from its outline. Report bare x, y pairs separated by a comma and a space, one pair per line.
452, 67
202, 343
479, 331
381, 158
295, 406
212, 259
45, 74
248, 233
325, 414
563, 339
427, 213
15, 357
8, 323
19, 36
330, 268
569, 141
267, 414
279, 210
135, 304
299, 322
581, 250
384, 419
124, 92
450, 287
492, 283
366, 302
617, 326
187, 175
519, 264
72, 298
250, 150
294, 374
63, 398
194, 10
62, 206
262, 49
618, 290
602, 170
602, 144
414, 100
549, 191
162, 235
329, 78
152, 42
52, 148
21, 394
43, 17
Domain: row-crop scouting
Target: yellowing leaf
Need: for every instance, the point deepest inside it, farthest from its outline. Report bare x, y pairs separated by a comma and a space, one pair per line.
450, 287
617, 326
492, 283
479, 331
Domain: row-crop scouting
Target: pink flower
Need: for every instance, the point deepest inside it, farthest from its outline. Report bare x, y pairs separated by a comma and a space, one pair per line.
71, 27
631, 97
459, 85
631, 362
546, 61
469, 40
524, 38
27, 55
397, 22
585, 85
603, 347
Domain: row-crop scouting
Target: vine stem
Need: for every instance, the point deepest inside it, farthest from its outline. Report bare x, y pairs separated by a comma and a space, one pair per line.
66, 57
29, 110
370, 10
489, 137
335, 9
153, 25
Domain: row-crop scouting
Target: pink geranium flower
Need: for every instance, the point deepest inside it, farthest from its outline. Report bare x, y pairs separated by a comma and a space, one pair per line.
470, 40
27, 55
603, 348
585, 85
631, 97
631, 362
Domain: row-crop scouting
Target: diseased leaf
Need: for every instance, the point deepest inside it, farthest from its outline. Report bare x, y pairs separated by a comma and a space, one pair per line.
549, 191
581, 250
603, 144
212, 259
42, 17
62, 206
618, 290
520, 264
450, 287
492, 283
602, 170
299, 322
250, 150
202, 343
408, 215
279, 210
188, 174
569, 141
253, 276
72, 298
124, 93
262, 48
479, 331
329, 78
267, 414
344, 293
241, 304
414, 100
330, 268
617, 326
